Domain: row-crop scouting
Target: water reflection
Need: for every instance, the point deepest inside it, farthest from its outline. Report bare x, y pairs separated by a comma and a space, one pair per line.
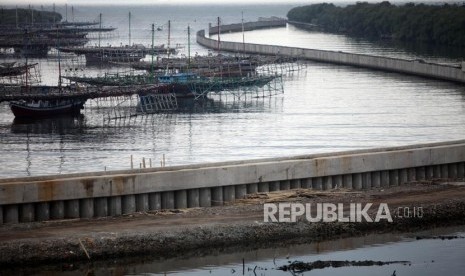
58, 125
264, 261
92, 142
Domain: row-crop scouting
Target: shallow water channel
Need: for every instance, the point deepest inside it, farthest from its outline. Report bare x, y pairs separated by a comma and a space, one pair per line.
424, 256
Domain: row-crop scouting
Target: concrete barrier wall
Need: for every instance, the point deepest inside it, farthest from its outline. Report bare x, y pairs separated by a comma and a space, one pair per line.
412, 67
248, 26
123, 192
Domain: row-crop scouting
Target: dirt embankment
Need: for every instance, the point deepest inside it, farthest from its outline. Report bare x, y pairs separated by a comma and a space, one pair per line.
178, 232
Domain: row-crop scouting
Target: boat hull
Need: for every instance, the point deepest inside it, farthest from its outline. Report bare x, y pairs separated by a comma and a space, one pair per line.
23, 110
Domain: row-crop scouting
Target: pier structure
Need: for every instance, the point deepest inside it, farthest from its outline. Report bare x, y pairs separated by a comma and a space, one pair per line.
102, 194
16, 93
36, 40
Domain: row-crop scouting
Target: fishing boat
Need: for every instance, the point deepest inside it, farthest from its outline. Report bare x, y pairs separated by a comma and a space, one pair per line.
46, 108
8, 69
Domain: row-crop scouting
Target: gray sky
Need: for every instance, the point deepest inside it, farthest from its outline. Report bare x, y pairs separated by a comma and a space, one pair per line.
155, 2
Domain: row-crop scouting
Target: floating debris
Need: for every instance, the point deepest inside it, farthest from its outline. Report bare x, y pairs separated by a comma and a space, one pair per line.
299, 267
439, 237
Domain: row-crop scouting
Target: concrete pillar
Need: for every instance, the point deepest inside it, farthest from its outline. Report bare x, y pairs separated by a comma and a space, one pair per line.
167, 200
285, 185
252, 188
376, 179
193, 198
384, 178
337, 181
347, 181
154, 201
327, 183
274, 186
101, 207
142, 202
412, 175
429, 172
444, 171
86, 208
180, 199
26, 213
42, 211
229, 193
452, 170
306, 183
295, 184
57, 209
461, 169
241, 191
115, 207
357, 181
403, 176
437, 171
72, 208
366, 180
11, 213
393, 178
217, 196
317, 183
421, 173
263, 187
205, 197
128, 204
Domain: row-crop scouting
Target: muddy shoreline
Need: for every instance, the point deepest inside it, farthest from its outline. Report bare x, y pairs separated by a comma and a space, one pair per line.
75, 243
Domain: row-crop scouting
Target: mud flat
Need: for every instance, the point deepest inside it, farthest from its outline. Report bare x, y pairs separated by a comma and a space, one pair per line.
184, 231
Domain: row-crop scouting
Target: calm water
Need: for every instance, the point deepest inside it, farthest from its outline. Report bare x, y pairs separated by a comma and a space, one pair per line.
428, 257
324, 108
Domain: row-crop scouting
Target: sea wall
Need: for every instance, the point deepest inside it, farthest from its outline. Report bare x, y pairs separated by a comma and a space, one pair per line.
413, 67
122, 192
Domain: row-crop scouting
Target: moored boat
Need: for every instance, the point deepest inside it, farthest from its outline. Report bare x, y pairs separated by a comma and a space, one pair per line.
46, 108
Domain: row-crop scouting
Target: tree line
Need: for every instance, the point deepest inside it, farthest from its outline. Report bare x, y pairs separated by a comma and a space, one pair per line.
438, 24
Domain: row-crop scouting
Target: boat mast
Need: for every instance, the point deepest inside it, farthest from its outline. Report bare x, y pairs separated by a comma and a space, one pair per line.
100, 29
169, 36
59, 61
54, 14
129, 29
17, 17
218, 35
72, 13
188, 47
32, 15
66, 8
27, 75
243, 38
153, 53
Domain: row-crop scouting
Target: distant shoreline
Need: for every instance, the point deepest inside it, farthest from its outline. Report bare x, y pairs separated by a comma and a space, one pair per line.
433, 24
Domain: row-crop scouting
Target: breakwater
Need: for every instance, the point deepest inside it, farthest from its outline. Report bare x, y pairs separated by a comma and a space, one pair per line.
415, 67
103, 194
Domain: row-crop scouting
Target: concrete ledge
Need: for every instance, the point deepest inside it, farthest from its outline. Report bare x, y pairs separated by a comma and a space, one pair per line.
412, 67
253, 173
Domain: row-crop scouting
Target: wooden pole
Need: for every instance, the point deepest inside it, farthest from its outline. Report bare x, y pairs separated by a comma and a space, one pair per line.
100, 19
219, 30
169, 37
129, 29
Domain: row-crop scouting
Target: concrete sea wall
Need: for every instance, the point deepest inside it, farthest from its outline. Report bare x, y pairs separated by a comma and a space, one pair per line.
412, 67
121, 192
